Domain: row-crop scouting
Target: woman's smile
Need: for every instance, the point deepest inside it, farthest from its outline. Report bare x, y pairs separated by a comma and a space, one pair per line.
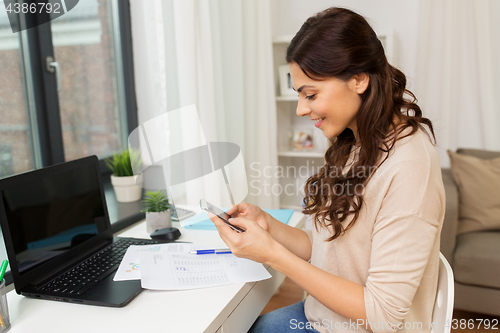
318, 121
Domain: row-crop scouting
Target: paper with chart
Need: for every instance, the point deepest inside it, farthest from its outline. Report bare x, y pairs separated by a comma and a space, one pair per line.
130, 265
178, 271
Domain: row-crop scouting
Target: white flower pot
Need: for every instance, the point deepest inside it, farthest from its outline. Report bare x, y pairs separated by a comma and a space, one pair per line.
156, 221
127, 189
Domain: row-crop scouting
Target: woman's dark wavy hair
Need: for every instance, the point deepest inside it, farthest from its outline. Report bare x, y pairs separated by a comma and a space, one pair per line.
340, 43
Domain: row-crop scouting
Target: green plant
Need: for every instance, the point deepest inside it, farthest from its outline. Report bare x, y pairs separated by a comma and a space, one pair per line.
155, 202
124, 163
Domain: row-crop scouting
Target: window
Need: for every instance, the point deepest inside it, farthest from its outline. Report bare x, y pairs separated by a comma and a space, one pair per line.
90, 96
15, 141
66, 86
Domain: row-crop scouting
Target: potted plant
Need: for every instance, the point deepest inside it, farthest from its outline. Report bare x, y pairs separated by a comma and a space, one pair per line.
157, 207
127, 186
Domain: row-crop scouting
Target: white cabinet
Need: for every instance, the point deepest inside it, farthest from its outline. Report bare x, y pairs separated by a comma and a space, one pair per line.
294, 165
243, 317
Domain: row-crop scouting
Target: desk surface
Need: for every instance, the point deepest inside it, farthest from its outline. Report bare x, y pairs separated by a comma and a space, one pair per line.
199, 310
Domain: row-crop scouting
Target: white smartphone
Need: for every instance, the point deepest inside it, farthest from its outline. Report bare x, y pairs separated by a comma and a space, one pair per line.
207, 206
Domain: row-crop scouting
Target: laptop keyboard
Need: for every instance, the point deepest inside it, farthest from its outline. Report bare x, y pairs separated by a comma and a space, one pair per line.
93, 270
179, 214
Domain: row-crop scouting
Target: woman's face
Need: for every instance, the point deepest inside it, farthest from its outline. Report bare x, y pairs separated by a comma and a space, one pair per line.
331, 103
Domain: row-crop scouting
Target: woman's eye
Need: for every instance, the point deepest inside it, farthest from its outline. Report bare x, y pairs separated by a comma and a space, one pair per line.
310, 96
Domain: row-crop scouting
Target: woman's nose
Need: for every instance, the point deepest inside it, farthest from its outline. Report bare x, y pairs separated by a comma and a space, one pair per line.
302, 108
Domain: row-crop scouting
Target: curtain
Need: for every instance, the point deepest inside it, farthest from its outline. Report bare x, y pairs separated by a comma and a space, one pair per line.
459, 48
216, 55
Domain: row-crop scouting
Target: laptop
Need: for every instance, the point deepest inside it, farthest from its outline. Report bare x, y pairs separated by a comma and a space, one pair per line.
58, 236
179, 214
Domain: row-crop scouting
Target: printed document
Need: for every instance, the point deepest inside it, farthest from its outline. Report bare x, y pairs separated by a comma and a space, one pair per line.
172, 267
130, 267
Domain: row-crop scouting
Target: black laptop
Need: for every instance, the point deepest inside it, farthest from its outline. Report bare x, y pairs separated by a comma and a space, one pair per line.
58, 236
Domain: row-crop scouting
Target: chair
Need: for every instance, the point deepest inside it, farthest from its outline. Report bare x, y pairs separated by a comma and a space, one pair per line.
442, 314
443, 306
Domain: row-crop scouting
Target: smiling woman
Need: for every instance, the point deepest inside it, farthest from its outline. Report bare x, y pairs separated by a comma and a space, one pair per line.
356, 99
370, 263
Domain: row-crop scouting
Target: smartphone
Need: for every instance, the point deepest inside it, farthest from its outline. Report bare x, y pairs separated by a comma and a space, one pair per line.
207, 206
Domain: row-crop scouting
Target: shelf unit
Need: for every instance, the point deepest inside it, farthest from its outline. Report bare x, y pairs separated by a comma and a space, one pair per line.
300, 154
295, 167
287, 99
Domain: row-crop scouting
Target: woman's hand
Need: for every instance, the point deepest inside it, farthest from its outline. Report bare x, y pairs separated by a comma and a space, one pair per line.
255, 243
283, 236
251, 212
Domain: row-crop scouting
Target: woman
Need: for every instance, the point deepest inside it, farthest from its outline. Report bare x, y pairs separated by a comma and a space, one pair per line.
371, 261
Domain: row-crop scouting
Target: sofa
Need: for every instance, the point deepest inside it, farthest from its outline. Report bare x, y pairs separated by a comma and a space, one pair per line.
474, 256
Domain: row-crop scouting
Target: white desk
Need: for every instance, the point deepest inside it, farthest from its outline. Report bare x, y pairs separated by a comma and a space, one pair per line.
227, 309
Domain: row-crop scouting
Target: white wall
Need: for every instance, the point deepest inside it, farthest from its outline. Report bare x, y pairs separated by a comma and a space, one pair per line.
400, 17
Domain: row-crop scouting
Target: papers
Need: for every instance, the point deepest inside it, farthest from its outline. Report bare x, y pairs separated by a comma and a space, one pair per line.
130, 268
172, 267
165, 271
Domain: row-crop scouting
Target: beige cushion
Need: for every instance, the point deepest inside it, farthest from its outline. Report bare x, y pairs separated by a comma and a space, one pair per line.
480, 153
478, 184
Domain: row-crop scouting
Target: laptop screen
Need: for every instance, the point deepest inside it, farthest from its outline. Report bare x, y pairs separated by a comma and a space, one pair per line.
50, 215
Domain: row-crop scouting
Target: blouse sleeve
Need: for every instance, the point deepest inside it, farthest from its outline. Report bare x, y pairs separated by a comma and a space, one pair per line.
403, 236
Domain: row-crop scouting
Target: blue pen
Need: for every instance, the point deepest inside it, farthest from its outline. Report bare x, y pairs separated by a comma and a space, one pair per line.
211, 251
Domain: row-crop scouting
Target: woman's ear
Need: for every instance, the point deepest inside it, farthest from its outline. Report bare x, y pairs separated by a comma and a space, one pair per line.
360, 82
